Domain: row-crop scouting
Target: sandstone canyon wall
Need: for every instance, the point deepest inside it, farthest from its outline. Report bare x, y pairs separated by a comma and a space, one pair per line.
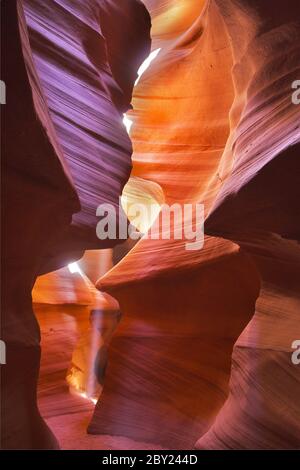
202, 355
62, 124
224, 132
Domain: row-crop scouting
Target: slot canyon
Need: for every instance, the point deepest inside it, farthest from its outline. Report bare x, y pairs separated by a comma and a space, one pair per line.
138, 342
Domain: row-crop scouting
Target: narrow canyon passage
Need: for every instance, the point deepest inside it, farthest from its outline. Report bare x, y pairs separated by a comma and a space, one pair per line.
177, 123
68, 415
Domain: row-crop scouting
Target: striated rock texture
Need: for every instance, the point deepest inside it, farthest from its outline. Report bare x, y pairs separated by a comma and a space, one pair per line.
224, 132
262, 410
203, 354
66, 151
87, 55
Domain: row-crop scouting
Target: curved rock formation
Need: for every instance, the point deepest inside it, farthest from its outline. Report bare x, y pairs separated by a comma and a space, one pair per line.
229, 138
203, 353
66, 152
263, 407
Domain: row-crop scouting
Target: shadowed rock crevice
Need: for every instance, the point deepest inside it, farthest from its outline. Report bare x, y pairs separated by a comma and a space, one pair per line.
203, 351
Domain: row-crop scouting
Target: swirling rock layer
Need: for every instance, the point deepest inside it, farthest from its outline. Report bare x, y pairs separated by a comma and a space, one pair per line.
203, 353
66, 152
229, 138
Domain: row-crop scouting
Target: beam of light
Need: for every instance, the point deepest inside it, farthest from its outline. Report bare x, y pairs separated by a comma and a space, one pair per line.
86, 397
73, 380
76, 390
127, 123
74, 268
145, 65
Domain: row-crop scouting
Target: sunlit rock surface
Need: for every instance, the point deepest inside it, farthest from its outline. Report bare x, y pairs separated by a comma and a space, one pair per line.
69, 68
263, 407
224, 131
203, 351
86, 55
